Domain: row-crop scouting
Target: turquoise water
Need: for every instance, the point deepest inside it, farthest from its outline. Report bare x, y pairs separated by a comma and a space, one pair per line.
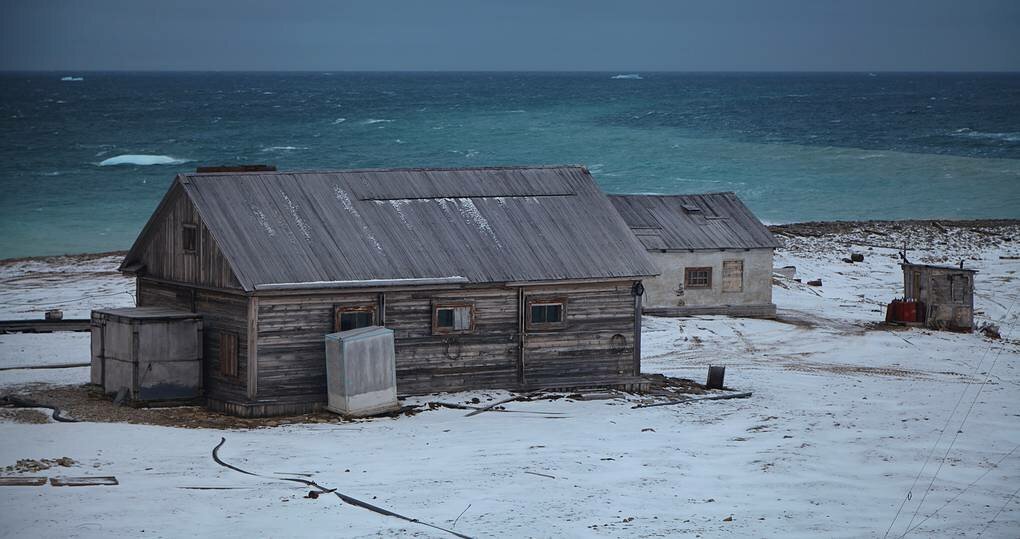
794, 146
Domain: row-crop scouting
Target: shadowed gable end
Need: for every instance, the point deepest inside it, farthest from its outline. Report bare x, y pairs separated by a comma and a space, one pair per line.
176, 245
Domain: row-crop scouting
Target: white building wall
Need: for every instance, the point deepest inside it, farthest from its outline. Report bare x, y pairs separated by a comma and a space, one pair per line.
667, 290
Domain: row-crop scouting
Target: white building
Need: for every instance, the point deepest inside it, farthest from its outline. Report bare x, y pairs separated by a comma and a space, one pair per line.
714, 255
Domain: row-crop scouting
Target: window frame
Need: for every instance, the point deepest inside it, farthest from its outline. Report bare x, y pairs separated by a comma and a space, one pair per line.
189, 229
340, 310
453, 305
723, 274
229, 363
543, 301
688, 273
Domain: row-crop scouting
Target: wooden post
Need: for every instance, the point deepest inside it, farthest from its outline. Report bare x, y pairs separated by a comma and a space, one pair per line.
253, 346
637, 331
521, 335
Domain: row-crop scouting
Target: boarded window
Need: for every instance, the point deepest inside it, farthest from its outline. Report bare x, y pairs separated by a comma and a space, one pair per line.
545, 313
733, 276
228, 354
348, 318
189, 238
698, 277
457, 318
958, 287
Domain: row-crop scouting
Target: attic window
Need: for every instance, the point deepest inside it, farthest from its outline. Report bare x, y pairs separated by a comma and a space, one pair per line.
189, 237
348, 318
453, 318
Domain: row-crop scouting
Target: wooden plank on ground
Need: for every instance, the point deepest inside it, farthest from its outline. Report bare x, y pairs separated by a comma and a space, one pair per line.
22, 481
94, 481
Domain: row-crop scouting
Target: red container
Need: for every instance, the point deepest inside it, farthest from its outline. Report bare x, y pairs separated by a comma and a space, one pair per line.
908, 311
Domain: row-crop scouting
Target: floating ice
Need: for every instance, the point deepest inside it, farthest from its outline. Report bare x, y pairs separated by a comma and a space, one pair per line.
371, 121
629, 76
142, 160
339, 120
72, 79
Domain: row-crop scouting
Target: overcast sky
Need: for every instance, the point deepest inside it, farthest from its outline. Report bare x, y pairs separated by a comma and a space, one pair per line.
631, 35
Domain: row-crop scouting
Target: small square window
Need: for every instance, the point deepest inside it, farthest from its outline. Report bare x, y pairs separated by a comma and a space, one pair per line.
348, 318
189, 238
545, 313
228, 354
698, 277
453, 319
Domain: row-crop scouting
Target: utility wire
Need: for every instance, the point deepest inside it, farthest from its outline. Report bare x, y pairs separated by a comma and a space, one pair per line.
965, 489
939, 439
959, 430
997, 513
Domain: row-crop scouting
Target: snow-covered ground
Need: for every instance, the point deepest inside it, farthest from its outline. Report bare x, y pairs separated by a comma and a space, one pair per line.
845, 420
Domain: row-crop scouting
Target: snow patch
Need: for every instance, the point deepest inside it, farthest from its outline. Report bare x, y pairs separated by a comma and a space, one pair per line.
345, 199
263, 220
297, 218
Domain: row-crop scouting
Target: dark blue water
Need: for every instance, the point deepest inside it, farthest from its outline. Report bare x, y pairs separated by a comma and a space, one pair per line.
794, 146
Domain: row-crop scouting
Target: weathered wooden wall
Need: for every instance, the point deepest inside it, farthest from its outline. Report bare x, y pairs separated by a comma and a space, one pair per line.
291, 357
584, 347
164, 256
220, 312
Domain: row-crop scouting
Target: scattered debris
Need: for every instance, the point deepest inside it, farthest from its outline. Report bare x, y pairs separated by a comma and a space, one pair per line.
32, 465
540, 474
990, 330
728, 519
816, 282
709, 398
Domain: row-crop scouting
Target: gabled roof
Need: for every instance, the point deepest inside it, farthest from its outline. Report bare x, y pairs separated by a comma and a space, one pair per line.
684, 222
389, 226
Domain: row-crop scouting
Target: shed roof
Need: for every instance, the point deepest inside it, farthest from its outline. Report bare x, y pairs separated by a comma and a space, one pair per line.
506, 224
912, 265
683, 222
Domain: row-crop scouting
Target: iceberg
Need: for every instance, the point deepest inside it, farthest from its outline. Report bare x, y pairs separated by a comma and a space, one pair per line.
72, 79
629, 76
142, 160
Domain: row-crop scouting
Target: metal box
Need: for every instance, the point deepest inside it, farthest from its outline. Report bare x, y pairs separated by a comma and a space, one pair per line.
361, 372
153, 352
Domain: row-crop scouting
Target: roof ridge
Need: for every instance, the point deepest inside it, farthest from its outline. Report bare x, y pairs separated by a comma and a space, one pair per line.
384, 169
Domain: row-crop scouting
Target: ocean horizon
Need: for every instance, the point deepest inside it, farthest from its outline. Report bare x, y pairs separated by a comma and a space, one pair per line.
86, 156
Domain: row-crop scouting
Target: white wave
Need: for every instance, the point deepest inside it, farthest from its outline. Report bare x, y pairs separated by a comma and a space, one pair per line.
283, 148
1005, 137
72, 79
371, 121
142, 160
339, 120
627, 76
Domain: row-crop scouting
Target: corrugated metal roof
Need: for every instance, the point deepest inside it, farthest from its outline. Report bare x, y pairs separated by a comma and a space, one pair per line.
708, 221
485, 224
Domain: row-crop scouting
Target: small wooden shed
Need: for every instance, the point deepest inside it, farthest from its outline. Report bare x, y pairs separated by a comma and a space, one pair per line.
946, 293
503, 277
154, 353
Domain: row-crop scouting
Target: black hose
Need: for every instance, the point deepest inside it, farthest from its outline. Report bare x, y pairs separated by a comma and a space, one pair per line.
343, 497
18, 402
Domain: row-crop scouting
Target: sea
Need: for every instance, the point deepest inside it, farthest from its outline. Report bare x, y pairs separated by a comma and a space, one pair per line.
86, 157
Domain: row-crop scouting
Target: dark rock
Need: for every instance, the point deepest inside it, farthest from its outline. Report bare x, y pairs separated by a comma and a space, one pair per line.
816, 282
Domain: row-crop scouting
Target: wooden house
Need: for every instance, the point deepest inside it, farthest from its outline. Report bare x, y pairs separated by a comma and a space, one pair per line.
713, 255
945, 295
489, 278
